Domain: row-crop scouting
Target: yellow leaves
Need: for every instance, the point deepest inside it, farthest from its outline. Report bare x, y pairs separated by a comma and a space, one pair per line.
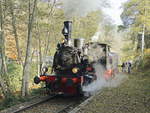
147, 51
10, 47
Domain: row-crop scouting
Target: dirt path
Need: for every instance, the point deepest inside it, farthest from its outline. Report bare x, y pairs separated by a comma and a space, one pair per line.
132, 96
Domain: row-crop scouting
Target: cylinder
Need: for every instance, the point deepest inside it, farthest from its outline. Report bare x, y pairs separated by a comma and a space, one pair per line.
79, 43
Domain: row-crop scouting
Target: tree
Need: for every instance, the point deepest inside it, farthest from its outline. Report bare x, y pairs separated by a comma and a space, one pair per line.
3, 71
27, 65
15, 30
136, 19
136, 16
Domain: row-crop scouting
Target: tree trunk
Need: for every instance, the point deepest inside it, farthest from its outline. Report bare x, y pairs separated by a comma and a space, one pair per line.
50, 18
3, 71
15, 32
39, 55
2, 39
5, 89
47, 45
4, 65
27, 65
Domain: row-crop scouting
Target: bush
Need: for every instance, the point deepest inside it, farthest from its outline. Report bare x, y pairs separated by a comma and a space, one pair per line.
144, 64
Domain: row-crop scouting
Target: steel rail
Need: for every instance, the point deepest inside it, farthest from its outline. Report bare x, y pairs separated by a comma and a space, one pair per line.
85, 102
64, 110
27, 105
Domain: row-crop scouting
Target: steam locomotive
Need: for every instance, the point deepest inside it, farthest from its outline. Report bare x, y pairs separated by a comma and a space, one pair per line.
73, 64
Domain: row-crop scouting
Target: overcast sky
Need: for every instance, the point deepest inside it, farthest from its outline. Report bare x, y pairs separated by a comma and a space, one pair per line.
115, 10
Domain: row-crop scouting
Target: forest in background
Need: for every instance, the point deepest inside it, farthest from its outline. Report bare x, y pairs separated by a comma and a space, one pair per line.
31, 29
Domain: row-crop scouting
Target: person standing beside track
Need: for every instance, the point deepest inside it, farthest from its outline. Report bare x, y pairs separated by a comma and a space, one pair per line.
129, 67
123, 67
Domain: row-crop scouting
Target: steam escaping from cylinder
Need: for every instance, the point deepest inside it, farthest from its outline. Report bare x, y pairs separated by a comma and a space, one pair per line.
101, 82
80, 8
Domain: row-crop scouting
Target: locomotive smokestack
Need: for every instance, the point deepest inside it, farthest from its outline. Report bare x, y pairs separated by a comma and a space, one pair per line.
67, 30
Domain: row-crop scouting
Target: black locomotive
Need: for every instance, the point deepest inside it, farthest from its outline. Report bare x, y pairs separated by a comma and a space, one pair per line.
73, 64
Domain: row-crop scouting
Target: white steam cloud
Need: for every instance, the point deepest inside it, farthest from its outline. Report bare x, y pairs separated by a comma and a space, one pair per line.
97, 34
95, 37
101, 82
80, 8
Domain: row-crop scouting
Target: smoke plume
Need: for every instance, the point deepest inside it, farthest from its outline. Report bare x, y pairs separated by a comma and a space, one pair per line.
98, 33
101, 82
95, 37
80, 8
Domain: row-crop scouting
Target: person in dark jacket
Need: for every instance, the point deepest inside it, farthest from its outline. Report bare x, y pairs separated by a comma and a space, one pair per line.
123, 67
129, 67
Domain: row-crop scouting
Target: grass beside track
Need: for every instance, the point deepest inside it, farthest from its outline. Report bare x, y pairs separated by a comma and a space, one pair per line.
132, 96
17, 99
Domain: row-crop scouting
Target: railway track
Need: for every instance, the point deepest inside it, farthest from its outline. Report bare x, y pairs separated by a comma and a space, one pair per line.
27, 105
50, 104
59, 104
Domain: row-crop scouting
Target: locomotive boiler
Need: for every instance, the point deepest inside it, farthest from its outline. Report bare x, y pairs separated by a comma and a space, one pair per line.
73, 64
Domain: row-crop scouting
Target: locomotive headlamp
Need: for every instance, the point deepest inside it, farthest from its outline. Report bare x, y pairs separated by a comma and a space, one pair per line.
75, 70
62, 41
44, 70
